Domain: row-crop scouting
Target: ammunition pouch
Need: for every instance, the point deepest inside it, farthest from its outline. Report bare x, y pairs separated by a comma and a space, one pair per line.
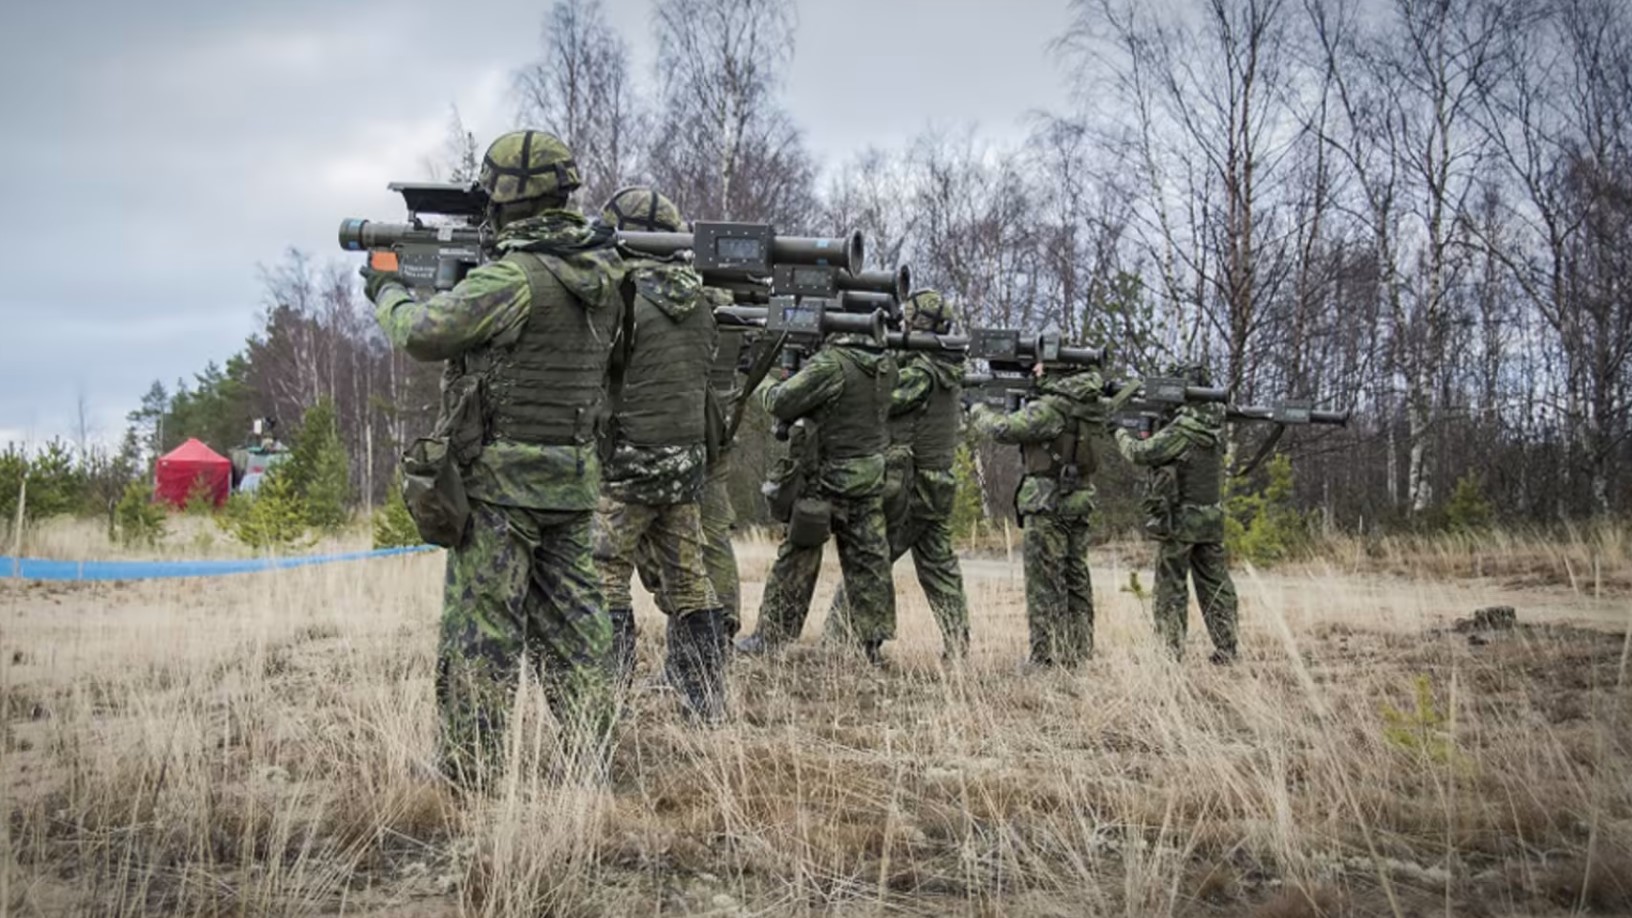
811, 523
433, 483
898, 482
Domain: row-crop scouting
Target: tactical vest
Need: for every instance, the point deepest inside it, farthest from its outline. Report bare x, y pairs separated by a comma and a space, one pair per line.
855, 424
1200, 475
666, 380
932, 428
1071, 454
549, 388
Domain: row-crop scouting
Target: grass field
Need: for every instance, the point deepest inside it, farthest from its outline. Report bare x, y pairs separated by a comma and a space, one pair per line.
257, 745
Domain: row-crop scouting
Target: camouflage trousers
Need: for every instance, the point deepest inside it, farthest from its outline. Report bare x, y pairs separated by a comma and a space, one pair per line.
923, 527
864, 559
521, 585
1059, 591
1176, 563
719, 556
670, 536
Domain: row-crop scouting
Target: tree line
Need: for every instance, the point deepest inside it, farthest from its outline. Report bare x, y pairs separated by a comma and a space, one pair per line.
1417, 209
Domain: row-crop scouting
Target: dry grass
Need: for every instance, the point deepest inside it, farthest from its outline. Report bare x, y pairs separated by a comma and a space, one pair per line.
256, 745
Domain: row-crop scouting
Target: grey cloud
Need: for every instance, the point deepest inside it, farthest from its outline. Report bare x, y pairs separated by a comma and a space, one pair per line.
156, 152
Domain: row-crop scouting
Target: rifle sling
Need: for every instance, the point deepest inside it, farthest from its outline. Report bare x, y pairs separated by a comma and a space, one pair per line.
756, 375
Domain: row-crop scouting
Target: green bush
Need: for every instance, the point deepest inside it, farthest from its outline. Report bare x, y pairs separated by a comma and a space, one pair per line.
1468, 510
968, 508
137, 520
200, 498
273, 518
318, 470
1266, 527
393, 526
55, 483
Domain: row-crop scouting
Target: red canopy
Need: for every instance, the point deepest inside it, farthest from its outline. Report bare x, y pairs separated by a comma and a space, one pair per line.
192, 461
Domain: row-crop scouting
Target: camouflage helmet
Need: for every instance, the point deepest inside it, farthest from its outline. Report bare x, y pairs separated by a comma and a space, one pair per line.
523, 165
1192, 371
641, 209
930, 307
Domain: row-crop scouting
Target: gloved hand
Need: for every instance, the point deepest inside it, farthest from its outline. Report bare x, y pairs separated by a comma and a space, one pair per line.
375, 280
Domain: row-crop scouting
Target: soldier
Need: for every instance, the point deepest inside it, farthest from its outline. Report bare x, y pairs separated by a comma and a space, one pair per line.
527, 339
925, 410
844, 393
655, 474
1055, 433
1186, 519
719, 518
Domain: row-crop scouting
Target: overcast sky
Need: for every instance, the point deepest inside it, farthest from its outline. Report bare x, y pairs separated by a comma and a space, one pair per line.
155, 153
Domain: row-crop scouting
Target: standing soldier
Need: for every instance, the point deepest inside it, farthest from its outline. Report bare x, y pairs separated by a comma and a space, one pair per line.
924, 413
527, 338
719, 518
844, 393
655, 474
1186, 519
1055, 433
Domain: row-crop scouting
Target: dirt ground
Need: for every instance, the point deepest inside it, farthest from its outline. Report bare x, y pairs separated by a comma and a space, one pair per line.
257, 745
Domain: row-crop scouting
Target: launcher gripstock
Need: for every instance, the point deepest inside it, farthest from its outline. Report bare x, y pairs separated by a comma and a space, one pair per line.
1007, 350
428, 256
804, 322
1144, 415
1011, 355
437, 255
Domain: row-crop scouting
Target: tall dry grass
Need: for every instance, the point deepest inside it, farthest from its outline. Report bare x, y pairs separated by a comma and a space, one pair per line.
259, 745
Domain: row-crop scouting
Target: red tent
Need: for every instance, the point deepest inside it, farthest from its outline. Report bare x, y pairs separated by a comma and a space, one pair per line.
178, 469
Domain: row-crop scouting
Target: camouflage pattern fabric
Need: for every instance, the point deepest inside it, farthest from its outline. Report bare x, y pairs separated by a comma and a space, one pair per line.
489, 308
1059, 590
1189, 537
1054, 516
718, 519
522, 585
527, 164
1192, 427
864, 560
925, 530
1176, 562
672, 535
656, 475
819, 382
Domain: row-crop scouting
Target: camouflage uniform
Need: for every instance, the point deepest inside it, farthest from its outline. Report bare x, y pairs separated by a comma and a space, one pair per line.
529, 335
1186, 519
719, 518
1055, 501
655, 474
920, 487
844, 391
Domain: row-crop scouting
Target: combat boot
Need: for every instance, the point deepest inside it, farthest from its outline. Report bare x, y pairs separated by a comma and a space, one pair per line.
1223, 657
696, 664
874, 651
623, 647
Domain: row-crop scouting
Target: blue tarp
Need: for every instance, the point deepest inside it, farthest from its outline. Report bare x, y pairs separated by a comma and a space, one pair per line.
44, 569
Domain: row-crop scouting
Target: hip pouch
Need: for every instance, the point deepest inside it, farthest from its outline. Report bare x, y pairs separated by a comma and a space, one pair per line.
811, 523
432, 484
435, 492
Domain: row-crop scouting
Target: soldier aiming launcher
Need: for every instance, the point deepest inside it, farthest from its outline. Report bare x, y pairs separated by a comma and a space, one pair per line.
747, 258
